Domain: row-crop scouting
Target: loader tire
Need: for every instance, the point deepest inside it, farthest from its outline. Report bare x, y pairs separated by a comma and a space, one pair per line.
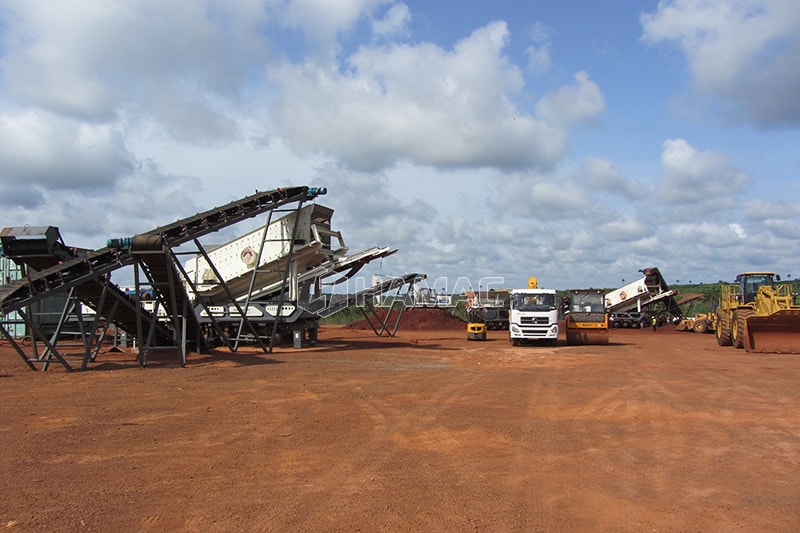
738, 326
701, 326
723, 330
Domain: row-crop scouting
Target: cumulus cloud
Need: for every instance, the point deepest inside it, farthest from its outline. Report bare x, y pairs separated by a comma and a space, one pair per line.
575, 104
539, 52
423, 104
781, 218
705, 233
394, 22
692, 176
603, 175
540, 197
323, 20
767, 209
743, 52
37, 148
88, 217
144, 57
626, 229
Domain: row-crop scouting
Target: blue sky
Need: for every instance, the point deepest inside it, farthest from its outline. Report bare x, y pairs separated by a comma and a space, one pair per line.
575, 141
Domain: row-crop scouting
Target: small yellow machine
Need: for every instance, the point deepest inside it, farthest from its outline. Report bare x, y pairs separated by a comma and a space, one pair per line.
700, 323
476, 331
586, 319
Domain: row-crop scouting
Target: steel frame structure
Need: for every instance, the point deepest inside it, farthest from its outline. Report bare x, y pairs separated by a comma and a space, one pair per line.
178, 319
86, 278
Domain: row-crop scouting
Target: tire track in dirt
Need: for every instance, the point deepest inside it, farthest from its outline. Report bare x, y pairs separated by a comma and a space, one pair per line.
534, 486
388, 424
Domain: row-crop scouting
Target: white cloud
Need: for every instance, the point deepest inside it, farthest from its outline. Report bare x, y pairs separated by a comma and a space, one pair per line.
602, 175
738, 230
576, 104
37, 148
703, 233
699, 177
780, 218
88, 217
769, 209
743, 51
161, 61
543, 198
539, 52
421, 104
323, 20
394, 22
626, 229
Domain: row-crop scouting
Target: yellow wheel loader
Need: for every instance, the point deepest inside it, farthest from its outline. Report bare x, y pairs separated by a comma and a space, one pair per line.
758, 315
699, 323
585, 318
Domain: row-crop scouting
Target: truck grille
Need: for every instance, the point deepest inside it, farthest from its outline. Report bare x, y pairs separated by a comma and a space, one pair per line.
534, 321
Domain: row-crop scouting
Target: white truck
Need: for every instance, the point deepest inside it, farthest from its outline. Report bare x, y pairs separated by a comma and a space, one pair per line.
533, 315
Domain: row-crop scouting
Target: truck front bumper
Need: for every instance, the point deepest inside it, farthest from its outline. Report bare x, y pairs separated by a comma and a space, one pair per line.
533, 332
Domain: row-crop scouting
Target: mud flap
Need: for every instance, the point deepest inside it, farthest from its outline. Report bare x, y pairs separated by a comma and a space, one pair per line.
775, 333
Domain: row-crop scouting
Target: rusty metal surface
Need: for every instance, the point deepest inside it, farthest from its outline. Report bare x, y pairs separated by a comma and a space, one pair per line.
578, 337
775, 333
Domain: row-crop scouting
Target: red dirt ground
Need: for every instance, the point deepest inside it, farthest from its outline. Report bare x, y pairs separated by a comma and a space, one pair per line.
423, 431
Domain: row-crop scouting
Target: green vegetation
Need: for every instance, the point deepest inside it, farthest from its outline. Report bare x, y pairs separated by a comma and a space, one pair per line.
710, 292
347, 315
354, 314
707, 304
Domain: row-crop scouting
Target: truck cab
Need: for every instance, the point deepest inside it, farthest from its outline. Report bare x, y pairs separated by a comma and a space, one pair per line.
533, 315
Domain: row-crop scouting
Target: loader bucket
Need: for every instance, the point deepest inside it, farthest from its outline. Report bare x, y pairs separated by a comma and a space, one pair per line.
775, 333
577, 337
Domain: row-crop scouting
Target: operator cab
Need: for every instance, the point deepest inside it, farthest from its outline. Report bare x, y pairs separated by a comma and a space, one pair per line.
750, 282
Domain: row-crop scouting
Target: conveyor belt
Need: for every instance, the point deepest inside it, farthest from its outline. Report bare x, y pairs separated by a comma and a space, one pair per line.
361, 296
46, 250
61, 277
95, 264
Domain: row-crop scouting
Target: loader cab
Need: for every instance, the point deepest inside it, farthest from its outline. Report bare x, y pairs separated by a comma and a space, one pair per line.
749, 282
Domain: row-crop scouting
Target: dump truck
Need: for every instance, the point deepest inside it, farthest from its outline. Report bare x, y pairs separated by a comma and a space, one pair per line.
758, 315
585, 318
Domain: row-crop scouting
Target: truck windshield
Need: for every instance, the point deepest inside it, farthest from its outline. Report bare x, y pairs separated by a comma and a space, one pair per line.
534, 302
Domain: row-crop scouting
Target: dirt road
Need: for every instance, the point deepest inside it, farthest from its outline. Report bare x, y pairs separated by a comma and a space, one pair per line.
425, 431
